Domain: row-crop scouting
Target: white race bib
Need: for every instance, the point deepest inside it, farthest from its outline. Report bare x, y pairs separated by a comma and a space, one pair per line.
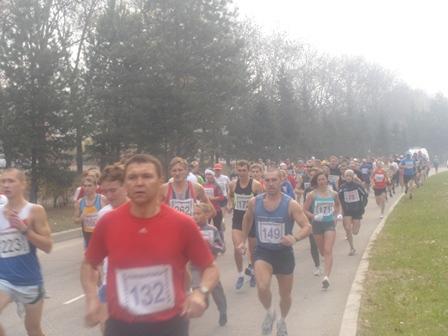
209, 192
146, 290
208, 236
351, 196
13, 244
379, 177
185, 206
325, 208
271, 232
364, 171
306, 185
90, 222
409, 165
241, 201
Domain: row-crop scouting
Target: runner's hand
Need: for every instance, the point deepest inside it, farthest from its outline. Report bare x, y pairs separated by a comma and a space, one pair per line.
339, 217
93, 316
195, 305
16, 222
318, 217
288, 240
242, 249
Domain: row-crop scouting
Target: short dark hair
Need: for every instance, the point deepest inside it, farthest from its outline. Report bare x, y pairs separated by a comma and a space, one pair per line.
243, 163
144, 158
112, 173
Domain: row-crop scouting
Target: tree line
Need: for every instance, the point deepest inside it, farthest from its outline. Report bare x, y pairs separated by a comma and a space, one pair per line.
95, 78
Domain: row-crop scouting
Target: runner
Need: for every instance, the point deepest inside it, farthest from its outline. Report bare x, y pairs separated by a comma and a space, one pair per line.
216, 245
274, 214
313, 246
366, 172
334, 173
323, 208
111, 182
180, 193
256, 172
287, 187
380, 182
26, 226
196, 172
87, 207
214, 194
353, 200
148, 246
436, 163
223, 182
409, 174
240, 192
93, 173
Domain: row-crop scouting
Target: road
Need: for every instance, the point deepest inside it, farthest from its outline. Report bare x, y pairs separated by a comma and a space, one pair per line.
313, 313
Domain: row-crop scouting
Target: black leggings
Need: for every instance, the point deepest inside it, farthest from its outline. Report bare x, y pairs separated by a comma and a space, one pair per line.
177, 326
314, 251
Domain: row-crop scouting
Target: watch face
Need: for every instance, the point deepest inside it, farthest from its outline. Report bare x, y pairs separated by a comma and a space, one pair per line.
204, 290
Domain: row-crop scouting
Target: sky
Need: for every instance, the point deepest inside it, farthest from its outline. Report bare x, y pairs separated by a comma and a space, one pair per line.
410, 38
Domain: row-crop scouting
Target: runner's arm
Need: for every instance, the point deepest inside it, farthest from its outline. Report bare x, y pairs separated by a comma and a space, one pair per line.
203, 198
231, 196
301, 219
39, 234
337, 204
77, 212
307, 205
90, 276
248, 220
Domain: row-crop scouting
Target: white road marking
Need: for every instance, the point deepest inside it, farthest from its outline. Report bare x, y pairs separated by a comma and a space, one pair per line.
74, 299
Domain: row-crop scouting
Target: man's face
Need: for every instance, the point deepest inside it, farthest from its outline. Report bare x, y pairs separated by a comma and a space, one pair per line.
114, 192
199, 216
89, 188
178, 172
256, 173
217, 172
242, 172
11, 185
273, 182
195, 168
333, 162
142, 182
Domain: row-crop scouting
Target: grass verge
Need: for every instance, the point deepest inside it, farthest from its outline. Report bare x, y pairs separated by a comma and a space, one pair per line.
406, 290
61, 219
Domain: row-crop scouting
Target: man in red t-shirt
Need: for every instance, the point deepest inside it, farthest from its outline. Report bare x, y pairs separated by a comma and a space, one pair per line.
148, 246
380, 181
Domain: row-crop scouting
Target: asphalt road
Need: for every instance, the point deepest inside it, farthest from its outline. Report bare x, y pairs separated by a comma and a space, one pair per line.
314, 312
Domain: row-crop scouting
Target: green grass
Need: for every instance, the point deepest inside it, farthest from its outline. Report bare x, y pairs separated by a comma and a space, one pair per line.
61, 219
406, 291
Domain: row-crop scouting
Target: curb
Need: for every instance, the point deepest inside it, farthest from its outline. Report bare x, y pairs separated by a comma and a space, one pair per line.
66, 235
349, 325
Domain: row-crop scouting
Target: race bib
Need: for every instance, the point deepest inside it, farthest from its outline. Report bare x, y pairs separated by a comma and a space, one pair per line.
146, 290
90, 222
208, 236
241, 201
270, 232
351, 196
184, 206
209, 192
409, 165
13, 244
325, 208
379, 177
306, 185
365, 171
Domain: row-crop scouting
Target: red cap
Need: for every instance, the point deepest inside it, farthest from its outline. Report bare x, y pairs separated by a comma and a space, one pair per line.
217, 166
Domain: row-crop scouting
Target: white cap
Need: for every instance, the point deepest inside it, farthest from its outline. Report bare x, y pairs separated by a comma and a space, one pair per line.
209, 171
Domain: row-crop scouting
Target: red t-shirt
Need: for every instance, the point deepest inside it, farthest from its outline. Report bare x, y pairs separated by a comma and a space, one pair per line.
146, 261
379, 179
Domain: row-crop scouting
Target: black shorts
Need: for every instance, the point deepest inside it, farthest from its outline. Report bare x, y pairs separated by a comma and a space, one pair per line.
321, 227
379, 192
177, 326
282, 261
354, 214
407, 178
236, 225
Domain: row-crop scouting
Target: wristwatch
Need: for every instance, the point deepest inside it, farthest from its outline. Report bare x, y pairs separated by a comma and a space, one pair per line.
204, 290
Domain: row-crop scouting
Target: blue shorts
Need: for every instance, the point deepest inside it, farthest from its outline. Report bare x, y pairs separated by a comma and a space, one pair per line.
282, 261
102, 295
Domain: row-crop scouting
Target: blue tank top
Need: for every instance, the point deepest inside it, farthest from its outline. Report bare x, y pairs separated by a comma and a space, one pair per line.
271, 226
325, 206
409, 167
18, 259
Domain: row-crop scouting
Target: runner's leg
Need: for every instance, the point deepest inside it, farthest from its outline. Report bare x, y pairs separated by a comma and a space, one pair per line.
33, 317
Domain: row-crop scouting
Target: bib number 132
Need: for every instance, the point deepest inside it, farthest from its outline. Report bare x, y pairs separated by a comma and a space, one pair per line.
146, 290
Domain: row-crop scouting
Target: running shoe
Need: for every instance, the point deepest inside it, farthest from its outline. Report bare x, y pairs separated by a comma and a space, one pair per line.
253, 281
325, 283
268, 323
352, 252
249, 271
381, 216
281, 328
239, 282
222, 319
317, 271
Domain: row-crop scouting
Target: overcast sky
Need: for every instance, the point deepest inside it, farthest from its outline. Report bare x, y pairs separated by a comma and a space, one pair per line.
408, 37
